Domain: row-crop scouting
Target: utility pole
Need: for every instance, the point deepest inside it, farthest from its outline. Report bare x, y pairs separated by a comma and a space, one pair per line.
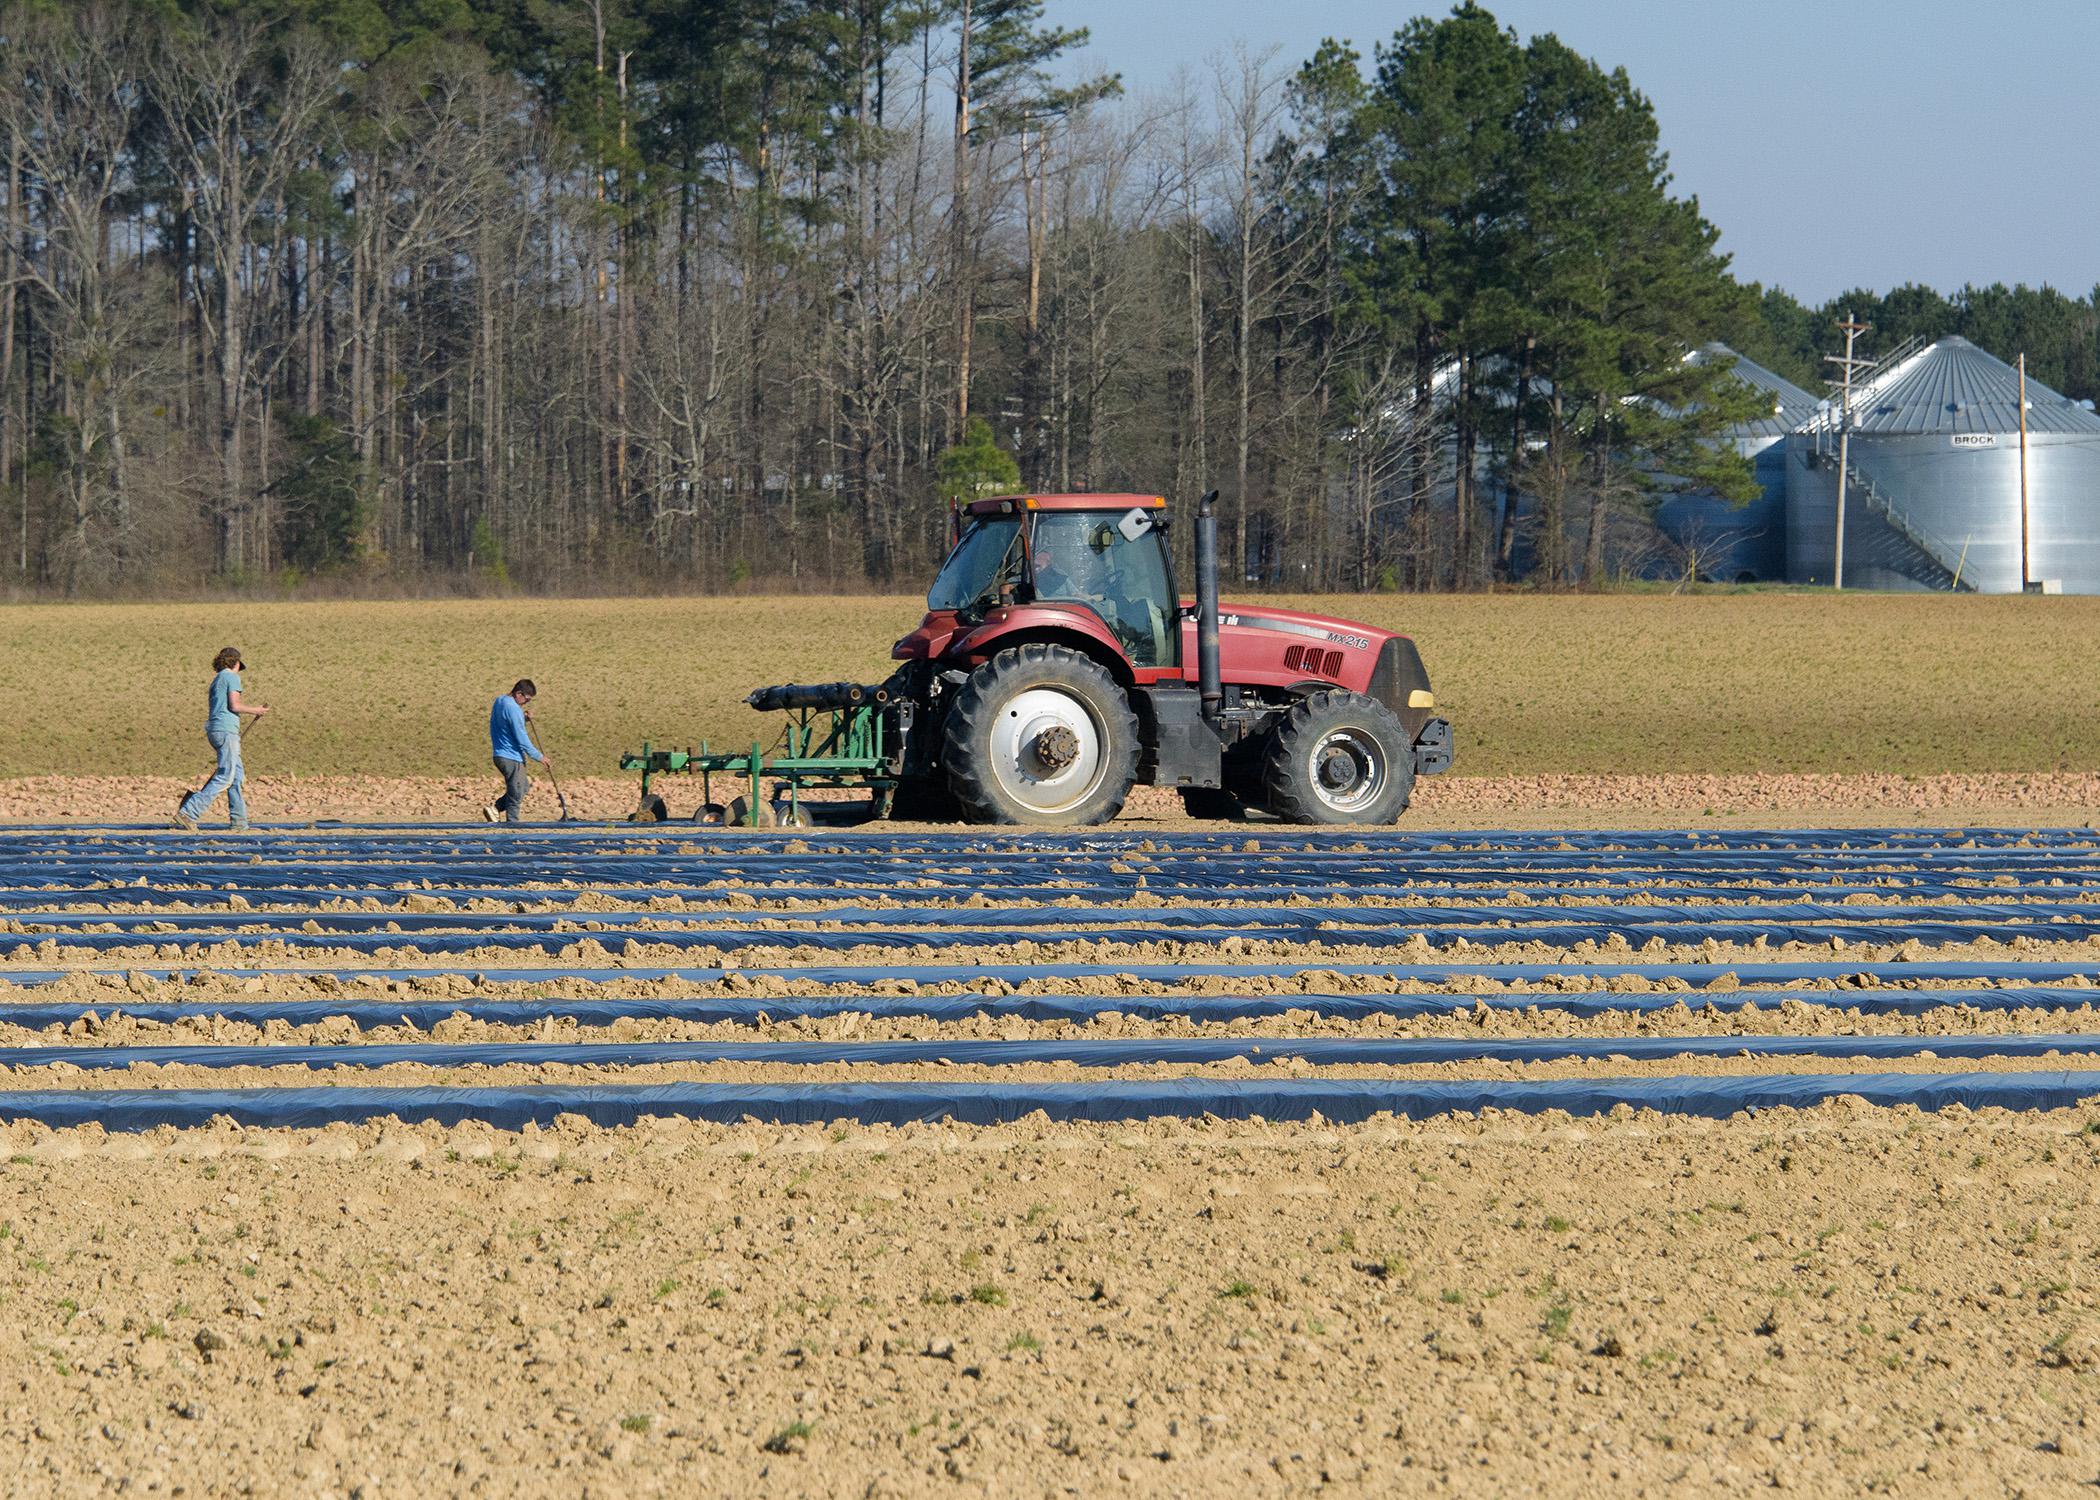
2026, 568
1853, 328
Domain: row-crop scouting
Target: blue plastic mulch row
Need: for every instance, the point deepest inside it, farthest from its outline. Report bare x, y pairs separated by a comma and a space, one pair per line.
1343, 1101
199, 927
301, 898
570, 840
864, 976
602, 854
674, 873
1556, 933
1121, 1052
368, 1015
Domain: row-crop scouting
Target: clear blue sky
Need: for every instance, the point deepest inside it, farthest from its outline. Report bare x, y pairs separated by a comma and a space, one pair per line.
1836, 143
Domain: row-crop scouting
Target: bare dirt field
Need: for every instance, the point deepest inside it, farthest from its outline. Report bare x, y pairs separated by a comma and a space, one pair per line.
1842, 1300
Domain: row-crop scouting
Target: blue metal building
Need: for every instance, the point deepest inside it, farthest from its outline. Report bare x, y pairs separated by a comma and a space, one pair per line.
1743, 543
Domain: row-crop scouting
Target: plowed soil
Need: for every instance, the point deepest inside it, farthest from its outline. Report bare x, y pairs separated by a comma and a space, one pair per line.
1749, 800
1838, 1301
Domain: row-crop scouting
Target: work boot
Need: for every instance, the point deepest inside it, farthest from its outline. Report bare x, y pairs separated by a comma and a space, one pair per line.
240, 827
183, 820
493, 813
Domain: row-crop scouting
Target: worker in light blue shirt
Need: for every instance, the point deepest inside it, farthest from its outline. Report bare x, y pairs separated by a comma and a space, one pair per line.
223, 712
510, 743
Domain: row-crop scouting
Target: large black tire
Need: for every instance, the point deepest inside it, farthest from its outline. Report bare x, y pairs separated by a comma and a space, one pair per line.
1212, 804
1041, 734
1339, 758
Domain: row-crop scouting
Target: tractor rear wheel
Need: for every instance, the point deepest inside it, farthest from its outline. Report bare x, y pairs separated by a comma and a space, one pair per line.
1339, 758
1041, 734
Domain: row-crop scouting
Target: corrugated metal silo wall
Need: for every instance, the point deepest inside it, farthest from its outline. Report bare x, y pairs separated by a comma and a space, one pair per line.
1965, 499
1811, 511
1751, 536
2063, 508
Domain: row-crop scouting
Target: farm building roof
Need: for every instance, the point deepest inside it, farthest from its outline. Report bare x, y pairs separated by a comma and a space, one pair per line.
1791, 406
1953, 386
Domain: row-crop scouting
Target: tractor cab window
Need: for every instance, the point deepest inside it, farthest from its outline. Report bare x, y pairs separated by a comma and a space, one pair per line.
1083, 557
988, 555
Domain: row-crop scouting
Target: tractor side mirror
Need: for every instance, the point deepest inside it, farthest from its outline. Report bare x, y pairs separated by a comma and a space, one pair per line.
1135, 523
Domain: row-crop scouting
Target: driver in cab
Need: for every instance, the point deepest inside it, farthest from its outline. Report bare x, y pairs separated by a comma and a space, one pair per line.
1080, 565
1079, 573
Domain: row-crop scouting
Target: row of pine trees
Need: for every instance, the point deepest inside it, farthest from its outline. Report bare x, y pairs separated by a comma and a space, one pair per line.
585, 294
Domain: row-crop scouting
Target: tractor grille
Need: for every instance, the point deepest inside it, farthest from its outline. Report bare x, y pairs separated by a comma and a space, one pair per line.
1313, 662
1400, 673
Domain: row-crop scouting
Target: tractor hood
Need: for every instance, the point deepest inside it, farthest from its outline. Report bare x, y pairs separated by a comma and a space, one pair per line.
1325, 629
1262, 646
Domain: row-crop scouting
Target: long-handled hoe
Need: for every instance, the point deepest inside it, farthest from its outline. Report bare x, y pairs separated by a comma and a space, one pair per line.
558, 796
552, 779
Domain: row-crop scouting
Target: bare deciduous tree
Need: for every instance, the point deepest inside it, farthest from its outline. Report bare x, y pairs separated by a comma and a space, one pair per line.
237, 104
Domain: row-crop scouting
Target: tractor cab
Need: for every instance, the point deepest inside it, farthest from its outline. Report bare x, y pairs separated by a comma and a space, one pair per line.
1105, 555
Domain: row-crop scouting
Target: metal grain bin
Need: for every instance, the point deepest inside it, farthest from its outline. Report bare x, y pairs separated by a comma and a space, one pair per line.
1933, 500
1747, 542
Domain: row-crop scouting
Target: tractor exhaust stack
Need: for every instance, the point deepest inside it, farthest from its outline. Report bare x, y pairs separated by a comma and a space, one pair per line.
1209, 680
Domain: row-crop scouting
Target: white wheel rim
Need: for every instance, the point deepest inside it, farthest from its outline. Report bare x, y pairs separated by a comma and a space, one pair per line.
1017, 760
1357, 753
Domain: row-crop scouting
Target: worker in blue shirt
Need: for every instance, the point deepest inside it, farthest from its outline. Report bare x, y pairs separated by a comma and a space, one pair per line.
223, 712
510, 743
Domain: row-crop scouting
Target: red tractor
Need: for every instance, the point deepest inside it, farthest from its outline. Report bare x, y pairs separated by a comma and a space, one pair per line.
1057, 667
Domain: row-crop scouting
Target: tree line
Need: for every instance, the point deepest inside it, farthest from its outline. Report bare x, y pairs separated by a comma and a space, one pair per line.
574, 294
2059, 335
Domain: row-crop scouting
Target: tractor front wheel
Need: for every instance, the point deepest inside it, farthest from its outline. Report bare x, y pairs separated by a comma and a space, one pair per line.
1339, 758
1041, 734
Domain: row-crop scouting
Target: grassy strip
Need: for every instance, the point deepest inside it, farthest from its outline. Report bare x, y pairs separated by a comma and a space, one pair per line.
1536, 684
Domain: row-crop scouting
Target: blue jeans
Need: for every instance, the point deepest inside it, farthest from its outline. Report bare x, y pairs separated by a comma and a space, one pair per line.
228, 778
515, 786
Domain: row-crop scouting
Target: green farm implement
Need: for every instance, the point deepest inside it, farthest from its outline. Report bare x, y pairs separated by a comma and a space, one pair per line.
839, 735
